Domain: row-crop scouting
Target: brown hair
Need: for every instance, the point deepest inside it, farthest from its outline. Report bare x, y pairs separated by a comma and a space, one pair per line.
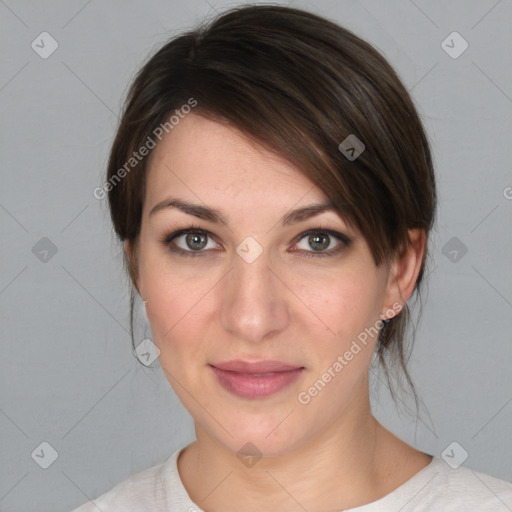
298, 85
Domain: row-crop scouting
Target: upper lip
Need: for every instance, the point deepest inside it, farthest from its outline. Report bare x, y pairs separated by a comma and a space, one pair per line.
255, 367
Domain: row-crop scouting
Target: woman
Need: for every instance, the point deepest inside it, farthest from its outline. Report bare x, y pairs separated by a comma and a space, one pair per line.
273, 187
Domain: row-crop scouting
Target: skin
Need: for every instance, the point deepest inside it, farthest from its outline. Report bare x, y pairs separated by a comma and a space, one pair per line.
283, 306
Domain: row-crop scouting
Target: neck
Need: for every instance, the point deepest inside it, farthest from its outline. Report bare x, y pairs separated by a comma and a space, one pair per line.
351, 463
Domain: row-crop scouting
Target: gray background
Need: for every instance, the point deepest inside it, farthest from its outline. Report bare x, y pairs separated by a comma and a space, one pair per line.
68, 375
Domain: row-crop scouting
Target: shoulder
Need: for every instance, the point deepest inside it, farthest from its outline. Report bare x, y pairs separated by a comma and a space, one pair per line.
439, 488
465, 486
145, 488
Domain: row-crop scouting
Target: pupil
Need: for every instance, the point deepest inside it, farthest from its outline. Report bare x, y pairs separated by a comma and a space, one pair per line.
196, 241
318, 241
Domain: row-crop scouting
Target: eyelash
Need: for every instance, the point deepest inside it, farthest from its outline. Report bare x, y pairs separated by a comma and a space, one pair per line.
344, 240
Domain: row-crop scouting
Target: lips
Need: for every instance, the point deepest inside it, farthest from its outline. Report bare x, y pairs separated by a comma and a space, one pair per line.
260, 367
255, 379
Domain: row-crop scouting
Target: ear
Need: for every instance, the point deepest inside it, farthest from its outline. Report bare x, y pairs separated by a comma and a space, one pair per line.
403, 273
131, 258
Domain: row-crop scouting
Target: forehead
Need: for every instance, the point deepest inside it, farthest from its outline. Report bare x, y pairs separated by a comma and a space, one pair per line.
209, 159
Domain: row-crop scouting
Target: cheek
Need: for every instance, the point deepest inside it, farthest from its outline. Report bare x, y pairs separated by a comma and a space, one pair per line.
348, 309
344, 329
172, 310
343, 303
179, 310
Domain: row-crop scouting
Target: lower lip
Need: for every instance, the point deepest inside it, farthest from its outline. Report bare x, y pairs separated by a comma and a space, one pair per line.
249, 386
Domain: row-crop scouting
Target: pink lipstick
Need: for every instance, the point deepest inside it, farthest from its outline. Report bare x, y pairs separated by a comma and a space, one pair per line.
255, 380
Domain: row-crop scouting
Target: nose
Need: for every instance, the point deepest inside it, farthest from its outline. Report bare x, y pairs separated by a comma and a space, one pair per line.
254, 302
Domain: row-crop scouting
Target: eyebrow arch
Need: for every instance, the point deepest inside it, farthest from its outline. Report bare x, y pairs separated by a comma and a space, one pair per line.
215, 216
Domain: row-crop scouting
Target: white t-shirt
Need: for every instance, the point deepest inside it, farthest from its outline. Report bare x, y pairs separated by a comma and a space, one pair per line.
436, 488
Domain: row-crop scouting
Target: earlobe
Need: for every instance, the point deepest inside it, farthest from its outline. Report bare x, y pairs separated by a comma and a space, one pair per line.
404, 271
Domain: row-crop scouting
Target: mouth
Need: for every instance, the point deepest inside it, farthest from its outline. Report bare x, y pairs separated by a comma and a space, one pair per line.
255, 379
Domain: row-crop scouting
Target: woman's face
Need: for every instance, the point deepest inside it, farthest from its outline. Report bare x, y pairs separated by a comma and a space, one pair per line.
251, 283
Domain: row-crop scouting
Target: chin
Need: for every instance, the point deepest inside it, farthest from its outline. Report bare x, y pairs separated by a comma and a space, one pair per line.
257, 434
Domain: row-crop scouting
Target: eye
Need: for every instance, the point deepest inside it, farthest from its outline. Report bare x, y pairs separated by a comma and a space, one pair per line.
190, 242
321, 242
194, 241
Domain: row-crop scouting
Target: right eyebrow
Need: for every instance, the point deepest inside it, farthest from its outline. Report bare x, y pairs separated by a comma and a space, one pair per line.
197, 210
216, 216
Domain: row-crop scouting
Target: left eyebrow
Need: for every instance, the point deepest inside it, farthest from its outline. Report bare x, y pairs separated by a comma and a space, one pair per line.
216, 216
302, 214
